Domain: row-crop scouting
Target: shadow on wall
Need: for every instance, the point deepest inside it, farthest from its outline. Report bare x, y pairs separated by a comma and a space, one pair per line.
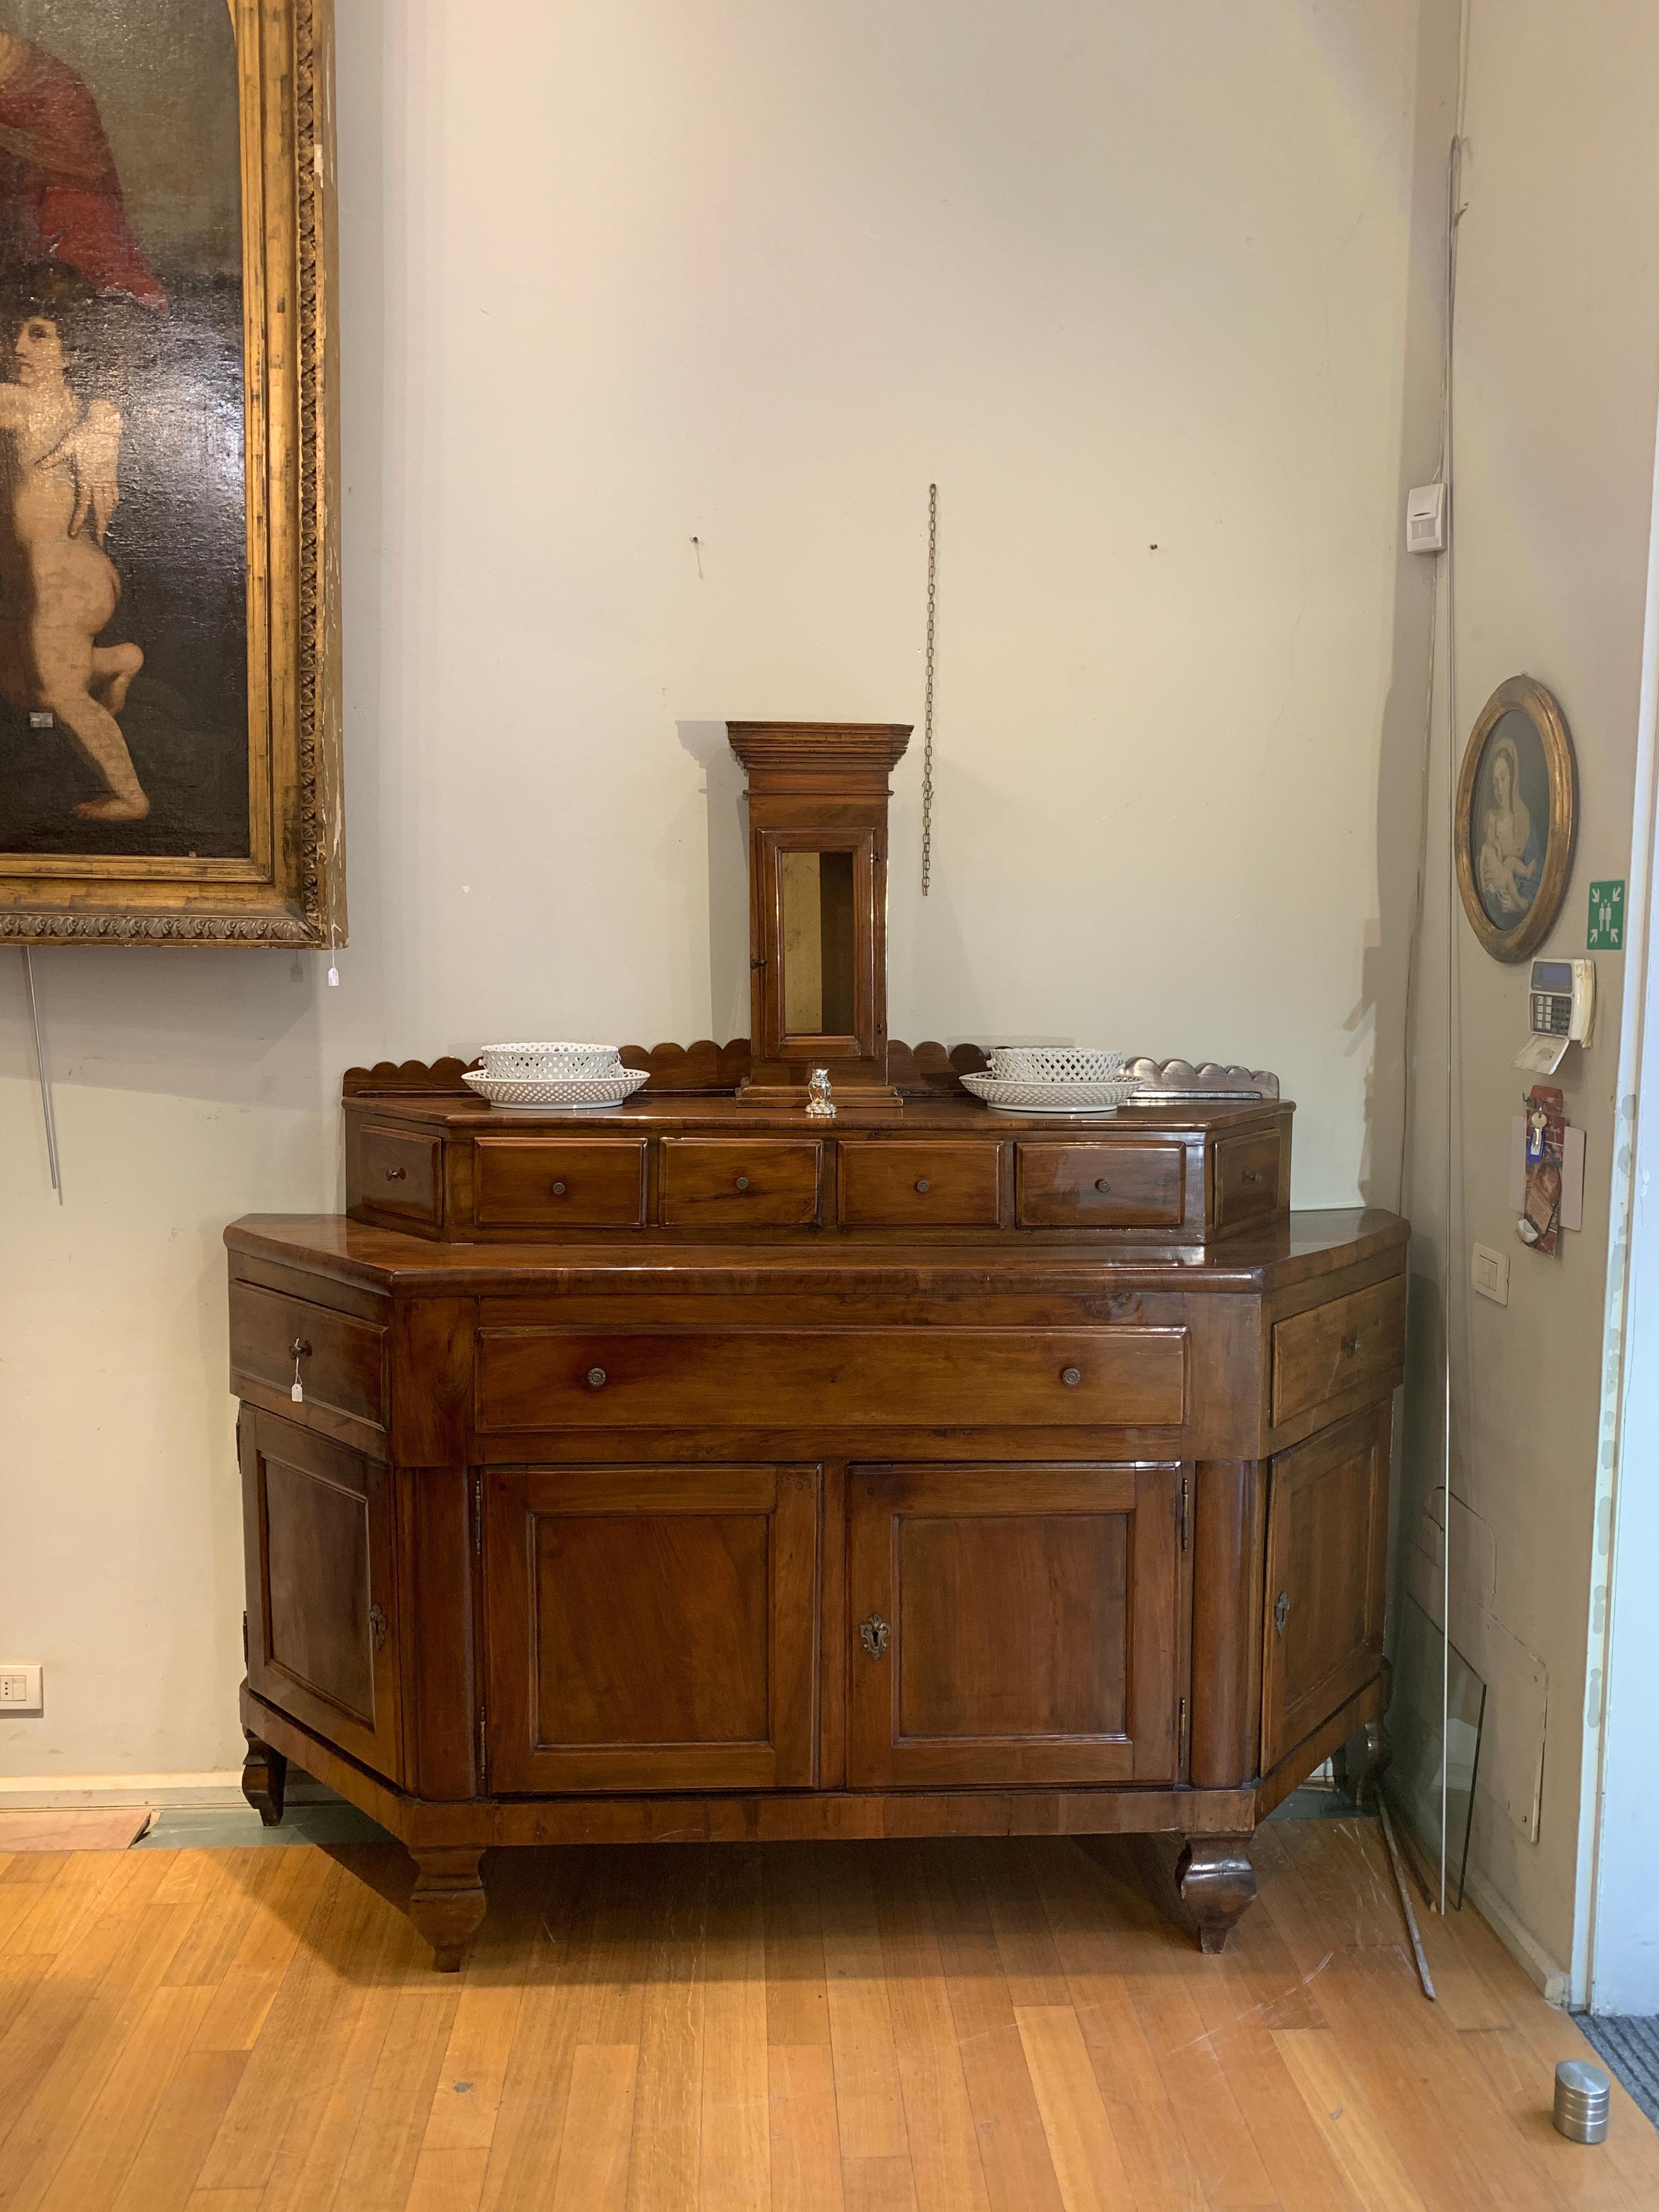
728, 879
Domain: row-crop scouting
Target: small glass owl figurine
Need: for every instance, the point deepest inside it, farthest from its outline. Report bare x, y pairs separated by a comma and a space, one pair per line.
820, 1106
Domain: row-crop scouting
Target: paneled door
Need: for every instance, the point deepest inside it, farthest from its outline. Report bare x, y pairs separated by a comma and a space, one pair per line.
652, 1627
322, 1608
1328, 1535
1015, 1624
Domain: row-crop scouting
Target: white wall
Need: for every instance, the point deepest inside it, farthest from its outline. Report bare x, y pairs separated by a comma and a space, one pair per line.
1556, 385
621, 272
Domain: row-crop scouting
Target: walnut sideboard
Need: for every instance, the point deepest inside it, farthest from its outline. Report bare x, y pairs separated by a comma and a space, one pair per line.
701, 1471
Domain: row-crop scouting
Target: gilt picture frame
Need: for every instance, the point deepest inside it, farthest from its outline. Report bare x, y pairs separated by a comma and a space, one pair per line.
170, 719
1516, 819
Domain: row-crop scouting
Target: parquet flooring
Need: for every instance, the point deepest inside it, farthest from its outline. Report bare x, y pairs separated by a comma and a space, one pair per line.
884, 2027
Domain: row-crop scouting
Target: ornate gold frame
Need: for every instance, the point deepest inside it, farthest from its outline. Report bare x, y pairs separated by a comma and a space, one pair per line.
291, 889
1543, 710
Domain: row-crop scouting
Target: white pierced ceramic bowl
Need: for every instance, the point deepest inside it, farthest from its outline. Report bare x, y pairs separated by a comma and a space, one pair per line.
545, 1063
588, 1094
1004, 1097
1054, 1063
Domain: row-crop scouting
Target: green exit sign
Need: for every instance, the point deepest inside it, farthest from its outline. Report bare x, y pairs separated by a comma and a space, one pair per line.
1607, 919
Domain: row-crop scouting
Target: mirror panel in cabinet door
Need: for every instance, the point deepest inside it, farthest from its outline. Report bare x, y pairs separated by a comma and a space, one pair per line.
322, 1615
1326, 1558
652, 1627
819, 943
1014, 1626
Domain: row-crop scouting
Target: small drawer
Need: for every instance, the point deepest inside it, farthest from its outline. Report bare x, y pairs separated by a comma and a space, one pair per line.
1099, 1186
1246, 1179
737, 1182
344, 1363
888, 1186
547, 1182
545, 1378
1330, 1350
400, 1176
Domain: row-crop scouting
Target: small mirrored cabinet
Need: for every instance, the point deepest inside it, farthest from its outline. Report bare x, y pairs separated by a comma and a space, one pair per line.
818, 904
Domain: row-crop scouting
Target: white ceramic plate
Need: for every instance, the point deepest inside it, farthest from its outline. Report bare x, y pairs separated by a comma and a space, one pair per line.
1008, 1097
572, 1095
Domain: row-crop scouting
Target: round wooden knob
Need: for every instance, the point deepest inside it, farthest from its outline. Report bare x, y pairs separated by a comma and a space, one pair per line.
1103, 1186
396, 1174
743, 1183
923, 1185
596, 1378
1071, 1377
1351, 1345
558, 1190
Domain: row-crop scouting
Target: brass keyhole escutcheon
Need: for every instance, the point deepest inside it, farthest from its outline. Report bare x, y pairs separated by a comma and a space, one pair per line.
1103, 1186
377, 1626
923, 1185
1282, 1611
743, 1183
1071, 1377
558, 1190
873, 1634
596, 1378
396, 1175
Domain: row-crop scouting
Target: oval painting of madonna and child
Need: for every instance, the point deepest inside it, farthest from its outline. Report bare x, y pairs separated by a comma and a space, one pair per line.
123, 721
1517, 800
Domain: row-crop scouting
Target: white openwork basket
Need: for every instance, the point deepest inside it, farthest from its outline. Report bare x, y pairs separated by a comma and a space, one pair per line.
560, 1094
1054, 1063
548, 1063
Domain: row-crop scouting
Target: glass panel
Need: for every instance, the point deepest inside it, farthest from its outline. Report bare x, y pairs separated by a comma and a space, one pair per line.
1415, 1731
818, 965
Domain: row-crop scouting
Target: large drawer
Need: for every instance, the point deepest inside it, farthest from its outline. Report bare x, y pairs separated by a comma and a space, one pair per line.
921, 1185
740, 1183
1069, 1186
547, 1378
547, 1182
343, 1360
1335, 1348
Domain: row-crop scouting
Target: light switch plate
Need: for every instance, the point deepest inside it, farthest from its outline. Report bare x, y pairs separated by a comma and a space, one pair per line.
1489, 1272
20, 1692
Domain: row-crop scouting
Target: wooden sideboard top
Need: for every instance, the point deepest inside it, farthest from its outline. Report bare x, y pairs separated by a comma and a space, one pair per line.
1298, 1249
722, 1115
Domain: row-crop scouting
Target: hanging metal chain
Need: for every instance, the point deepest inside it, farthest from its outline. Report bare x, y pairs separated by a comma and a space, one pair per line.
928, 717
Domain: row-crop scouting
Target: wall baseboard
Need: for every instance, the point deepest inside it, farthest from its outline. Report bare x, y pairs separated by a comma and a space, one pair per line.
1552, 1982
222, 1786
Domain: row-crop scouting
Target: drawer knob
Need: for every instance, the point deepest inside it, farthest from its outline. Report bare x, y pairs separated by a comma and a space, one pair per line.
1071, 1377
596, 1378
1281, 1611
558, 1190
1351, 1345
1253, 1175
396, 1175
1103, 1186
923, 1185
873, 1634
743, 1183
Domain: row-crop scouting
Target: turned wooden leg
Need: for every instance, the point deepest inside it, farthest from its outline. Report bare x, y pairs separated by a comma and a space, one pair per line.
1359, 1765
1217, 1882
264, 1776
448, 1903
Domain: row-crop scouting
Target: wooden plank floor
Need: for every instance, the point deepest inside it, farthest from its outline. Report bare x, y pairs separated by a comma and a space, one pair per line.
883, 2027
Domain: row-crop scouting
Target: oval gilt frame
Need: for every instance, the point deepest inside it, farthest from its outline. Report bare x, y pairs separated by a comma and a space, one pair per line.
1543, 710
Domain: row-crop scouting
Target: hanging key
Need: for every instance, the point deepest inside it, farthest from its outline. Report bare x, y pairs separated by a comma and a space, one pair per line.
301, 1350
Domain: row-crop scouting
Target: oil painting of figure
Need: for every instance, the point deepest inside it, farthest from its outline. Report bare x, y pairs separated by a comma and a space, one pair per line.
1510, 828
123, 563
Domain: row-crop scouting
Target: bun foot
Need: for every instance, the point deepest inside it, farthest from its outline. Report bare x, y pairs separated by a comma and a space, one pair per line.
265, 1776
448, 1903
1217, 1884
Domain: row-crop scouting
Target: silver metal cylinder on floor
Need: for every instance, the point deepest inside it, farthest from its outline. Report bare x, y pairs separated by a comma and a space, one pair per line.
1582, 2095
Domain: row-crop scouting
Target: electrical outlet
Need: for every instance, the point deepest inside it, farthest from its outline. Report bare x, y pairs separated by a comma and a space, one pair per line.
20, 1691
1489, 1272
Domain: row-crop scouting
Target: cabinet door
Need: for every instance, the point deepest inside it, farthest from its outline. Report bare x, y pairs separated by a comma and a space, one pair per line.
1327, 1510
322, 1612
652, 1628
1014, 1624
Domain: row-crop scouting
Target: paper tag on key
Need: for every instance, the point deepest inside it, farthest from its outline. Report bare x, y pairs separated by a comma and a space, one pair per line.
297, 1391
